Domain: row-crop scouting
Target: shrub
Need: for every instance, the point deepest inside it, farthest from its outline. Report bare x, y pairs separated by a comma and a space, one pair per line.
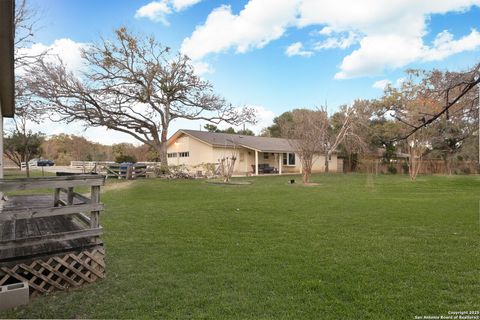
405, 167
392, 169
125, 158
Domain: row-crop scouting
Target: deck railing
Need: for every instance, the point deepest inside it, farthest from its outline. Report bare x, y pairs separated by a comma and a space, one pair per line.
84, 210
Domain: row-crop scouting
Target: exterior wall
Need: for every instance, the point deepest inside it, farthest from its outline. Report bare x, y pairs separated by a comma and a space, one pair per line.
199, 152
319, 164
241, 164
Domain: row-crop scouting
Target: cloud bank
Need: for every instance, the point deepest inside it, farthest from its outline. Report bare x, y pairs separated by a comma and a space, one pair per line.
383, 35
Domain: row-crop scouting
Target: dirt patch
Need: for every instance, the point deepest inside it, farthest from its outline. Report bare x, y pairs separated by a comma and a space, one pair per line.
310, 184
231, 183
117, 186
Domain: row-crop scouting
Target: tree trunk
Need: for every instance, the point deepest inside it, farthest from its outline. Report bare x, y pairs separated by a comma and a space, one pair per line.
163, 149
27, 169
326, 161
306, 176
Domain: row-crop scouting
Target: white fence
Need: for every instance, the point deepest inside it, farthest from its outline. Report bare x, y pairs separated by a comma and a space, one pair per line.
88, 165
98, 165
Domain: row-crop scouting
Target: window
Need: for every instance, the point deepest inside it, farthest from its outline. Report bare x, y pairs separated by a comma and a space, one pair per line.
242, 156
172, 155
289, 159
265, 156
184, 154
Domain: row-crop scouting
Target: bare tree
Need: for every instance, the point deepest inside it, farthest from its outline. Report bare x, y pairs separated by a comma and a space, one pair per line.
355, 141
226, 165
347, 120
410, 104
134, 85
305, 131
26, 24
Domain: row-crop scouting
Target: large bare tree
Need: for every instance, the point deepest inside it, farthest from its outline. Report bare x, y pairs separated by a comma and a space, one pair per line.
135, 85
305, 130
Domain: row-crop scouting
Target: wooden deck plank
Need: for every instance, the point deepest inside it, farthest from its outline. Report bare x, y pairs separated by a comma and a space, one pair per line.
7, 230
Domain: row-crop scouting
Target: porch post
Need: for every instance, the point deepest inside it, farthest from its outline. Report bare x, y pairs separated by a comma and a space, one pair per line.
256, 162
280, 162
1, 146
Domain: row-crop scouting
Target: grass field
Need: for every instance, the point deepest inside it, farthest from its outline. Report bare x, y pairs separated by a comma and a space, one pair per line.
353, 247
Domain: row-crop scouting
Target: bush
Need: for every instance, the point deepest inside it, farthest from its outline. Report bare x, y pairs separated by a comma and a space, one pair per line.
125, 158
405, 167
392, 169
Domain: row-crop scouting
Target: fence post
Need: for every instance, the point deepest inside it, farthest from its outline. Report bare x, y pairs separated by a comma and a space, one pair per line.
95, 215
56, 197
70, 196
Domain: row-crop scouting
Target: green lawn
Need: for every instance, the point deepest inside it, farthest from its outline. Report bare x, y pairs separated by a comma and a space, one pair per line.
353, 247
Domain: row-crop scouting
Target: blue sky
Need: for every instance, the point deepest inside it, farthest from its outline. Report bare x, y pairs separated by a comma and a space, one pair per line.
273, 54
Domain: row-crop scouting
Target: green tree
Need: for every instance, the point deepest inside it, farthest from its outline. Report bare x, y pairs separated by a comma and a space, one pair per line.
22, 147
275, 129
246, 132
211, 128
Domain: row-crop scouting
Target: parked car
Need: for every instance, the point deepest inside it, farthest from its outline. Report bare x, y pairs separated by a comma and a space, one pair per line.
45, 163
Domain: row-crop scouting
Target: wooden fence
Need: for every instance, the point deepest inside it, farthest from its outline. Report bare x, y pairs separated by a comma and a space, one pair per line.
126, 171
428, 166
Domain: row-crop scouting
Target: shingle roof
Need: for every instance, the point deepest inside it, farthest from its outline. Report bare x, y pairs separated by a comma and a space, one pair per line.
263, 144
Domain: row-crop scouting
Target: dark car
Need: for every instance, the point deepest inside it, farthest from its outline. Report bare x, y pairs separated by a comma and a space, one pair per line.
45, 163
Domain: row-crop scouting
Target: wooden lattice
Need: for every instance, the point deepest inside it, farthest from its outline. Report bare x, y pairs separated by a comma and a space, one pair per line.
58, 272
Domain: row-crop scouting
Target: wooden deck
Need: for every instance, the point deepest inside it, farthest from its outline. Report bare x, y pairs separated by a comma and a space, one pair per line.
33, 226
38, 229
51, 241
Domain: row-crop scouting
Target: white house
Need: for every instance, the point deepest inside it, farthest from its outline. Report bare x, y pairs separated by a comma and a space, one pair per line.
255, 155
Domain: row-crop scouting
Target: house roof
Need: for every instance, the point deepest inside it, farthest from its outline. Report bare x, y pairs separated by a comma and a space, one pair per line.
7, 79
218, 139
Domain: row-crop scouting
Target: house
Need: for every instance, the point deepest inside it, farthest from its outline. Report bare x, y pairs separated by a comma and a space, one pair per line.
193, 148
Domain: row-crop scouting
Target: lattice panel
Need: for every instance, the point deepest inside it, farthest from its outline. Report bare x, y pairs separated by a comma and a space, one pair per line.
58, 272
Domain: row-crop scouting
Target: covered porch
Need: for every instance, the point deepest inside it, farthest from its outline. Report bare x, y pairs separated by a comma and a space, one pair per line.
272, 162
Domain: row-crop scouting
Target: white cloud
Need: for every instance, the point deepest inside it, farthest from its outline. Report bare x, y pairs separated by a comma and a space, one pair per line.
341, 42
326, 31
66, 49
392, 34
295, 49
389, 35
381, 84
158, 11
378, 52
155, 11
260, 22
180, 5
263, 116
202, 68
444, 45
